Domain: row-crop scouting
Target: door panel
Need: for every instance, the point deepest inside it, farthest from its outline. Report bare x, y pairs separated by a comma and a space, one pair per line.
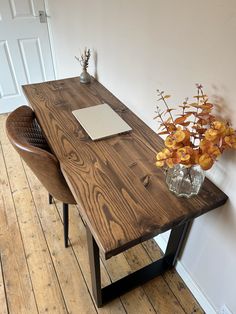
25, 52
31, 54
8, 84
23, 8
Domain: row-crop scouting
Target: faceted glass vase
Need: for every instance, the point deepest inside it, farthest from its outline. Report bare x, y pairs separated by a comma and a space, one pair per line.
185, 181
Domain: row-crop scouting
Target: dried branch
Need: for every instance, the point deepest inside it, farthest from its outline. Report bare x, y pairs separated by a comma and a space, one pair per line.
84, 58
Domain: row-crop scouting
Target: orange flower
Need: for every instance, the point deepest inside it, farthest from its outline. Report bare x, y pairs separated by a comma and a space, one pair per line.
160, 159
159, 163
170, 142
205, 161
219, 126
184, 153
195, 136
166, 152
205, 145
214, 152
230, 131
165, 156
170, 162
230, 141
179, 135
209, 148
211, 135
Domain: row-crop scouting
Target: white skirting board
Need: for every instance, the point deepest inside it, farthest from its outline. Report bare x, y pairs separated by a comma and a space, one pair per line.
193, 287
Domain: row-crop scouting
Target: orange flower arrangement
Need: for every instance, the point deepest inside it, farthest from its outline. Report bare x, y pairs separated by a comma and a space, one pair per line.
196, 136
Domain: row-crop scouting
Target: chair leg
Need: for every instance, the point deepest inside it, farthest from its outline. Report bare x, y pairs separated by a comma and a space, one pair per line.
49, 198
66, 223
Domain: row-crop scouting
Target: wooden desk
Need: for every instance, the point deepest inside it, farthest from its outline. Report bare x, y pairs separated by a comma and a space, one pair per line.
123, 197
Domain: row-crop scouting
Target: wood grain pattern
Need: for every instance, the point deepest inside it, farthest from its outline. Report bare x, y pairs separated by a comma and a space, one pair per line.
23, 297
107, 177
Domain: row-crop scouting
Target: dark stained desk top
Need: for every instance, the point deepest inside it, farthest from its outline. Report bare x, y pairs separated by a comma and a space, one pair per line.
121, 194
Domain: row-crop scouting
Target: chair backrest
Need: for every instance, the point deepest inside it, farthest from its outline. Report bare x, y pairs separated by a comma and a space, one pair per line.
26, 136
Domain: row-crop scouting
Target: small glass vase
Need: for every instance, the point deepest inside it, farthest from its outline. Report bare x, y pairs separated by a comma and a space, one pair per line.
185, 181
85, 77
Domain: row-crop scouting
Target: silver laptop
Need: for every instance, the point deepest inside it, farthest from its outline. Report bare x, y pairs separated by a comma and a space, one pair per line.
101, 121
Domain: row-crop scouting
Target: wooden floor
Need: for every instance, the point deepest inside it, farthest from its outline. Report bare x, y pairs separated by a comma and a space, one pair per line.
38, 275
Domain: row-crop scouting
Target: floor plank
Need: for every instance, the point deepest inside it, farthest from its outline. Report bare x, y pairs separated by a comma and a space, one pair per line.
3, 300
158, 291
174, 282
68, 270
18, 284
77, 234
45, 281
47, 291
41, 276
135, 301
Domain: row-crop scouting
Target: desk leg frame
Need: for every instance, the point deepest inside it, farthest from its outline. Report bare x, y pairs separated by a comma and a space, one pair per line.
139, 277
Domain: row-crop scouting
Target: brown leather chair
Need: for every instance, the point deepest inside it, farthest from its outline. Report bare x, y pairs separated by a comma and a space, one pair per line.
26, 136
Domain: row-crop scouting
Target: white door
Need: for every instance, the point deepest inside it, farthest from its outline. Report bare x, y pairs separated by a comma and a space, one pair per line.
25, 54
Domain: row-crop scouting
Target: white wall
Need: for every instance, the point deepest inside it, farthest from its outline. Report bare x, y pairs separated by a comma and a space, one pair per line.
143, 45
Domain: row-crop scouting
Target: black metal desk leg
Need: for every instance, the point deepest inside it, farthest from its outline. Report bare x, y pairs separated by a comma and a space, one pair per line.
139, 277
50, 198
94, 262
175, 242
